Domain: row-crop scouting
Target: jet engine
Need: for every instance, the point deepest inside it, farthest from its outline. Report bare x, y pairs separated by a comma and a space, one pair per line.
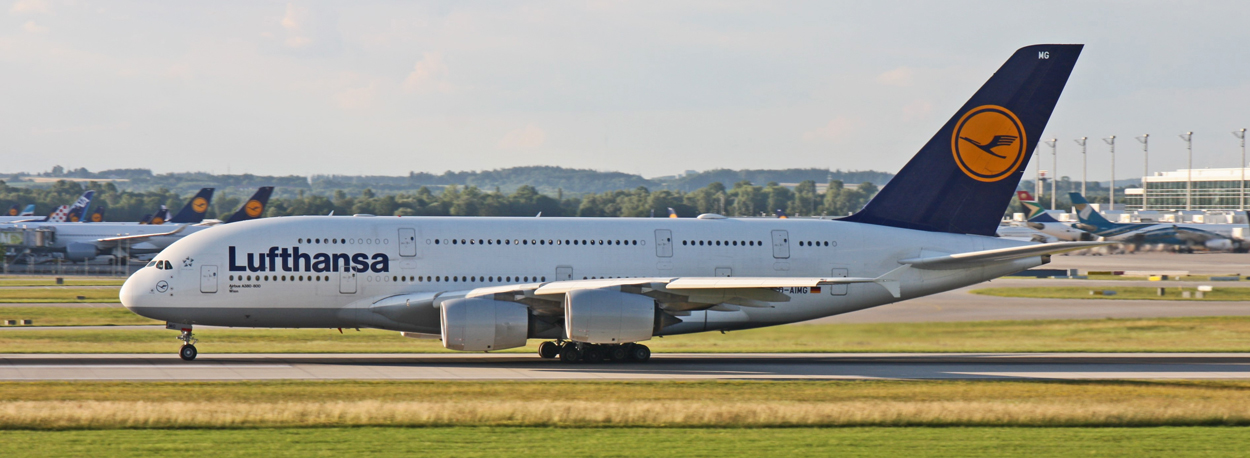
603, 316
483, 324
1219, 244
79, 251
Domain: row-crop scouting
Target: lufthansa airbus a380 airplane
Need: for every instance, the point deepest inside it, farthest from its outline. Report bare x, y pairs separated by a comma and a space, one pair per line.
595, 287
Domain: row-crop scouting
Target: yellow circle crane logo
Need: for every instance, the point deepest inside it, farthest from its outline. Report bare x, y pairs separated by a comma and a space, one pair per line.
12, 212
200, 205
253, 208
95, 218
988, 143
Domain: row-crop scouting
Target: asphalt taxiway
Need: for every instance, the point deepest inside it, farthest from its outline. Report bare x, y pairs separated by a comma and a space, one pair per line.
504, 366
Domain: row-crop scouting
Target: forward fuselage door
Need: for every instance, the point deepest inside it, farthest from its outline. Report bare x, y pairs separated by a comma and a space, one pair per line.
347, 282
407, 242
664, 243
208, 279
781, 244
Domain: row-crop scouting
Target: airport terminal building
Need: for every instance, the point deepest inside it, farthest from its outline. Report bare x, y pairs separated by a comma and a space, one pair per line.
1192, 189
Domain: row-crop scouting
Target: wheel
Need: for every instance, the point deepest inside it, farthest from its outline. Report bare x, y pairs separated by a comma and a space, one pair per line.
188, 352
548, 350
569, 353
618, 353
639, 353
594, 354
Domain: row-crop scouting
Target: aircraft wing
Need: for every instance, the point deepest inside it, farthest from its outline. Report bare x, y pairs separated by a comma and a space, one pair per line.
142, 236
959, 260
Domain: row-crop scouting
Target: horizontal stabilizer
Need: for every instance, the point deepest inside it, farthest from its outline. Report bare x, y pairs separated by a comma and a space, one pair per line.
959, 260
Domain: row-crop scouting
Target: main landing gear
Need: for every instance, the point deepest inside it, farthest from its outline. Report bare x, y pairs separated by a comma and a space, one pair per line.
578, 352
188, 351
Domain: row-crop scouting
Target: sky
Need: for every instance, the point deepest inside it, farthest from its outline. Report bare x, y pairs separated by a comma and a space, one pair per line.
653, 88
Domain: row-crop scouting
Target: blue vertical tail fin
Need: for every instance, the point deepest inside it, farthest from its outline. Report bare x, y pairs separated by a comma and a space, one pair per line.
962, 180
1086, 213
28, 211
254, 207
193, 212
79, 209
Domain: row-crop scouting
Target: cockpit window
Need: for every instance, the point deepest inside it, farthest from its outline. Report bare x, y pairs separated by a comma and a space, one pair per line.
152, 264
168, 266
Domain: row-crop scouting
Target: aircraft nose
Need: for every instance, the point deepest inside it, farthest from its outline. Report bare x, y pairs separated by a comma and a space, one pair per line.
132, 294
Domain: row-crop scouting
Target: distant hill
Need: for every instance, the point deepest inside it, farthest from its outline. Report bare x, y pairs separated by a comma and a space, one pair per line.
546, 179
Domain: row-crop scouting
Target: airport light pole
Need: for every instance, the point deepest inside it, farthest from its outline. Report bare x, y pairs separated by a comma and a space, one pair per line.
1188, 137
1241, 135
1084, 163
1054, 170
1145, 148
1111, 141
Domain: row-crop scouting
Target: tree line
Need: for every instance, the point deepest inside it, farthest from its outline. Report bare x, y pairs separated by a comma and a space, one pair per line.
742, 199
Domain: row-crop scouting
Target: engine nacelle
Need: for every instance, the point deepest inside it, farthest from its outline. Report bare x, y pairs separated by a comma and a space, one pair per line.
604, 316
1219, 244
79, 251
483, 324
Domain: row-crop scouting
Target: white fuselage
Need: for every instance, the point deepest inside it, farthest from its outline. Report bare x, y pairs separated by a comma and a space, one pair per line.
95, 233
260, 287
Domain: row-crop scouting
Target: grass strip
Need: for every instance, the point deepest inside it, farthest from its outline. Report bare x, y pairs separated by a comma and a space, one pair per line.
113, 405
1171, 293
517, 441
58, 294
66, 281
75, 316
1193, 334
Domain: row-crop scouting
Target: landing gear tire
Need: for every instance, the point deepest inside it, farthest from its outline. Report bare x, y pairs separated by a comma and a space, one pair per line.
548, 350
570, 354
593, 355
639, 353
188, 352
618, 353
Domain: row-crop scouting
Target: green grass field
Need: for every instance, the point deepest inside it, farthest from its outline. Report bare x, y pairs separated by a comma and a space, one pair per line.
67, 281
74, 316
1171, 293
546, 442
58, 294
1231, 334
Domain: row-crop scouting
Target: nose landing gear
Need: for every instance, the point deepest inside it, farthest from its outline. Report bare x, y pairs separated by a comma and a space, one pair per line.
188, 351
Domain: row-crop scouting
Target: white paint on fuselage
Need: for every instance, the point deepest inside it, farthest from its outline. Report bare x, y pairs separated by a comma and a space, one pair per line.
861, 250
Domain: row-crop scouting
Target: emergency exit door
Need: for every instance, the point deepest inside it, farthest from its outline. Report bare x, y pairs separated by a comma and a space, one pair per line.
664, 243
407, 242
347, 282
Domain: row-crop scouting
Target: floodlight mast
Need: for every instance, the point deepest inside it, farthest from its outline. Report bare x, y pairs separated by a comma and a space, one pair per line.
1111, 141
1241, 135
1145, 148
1188, 137
1054, 170
1084, 163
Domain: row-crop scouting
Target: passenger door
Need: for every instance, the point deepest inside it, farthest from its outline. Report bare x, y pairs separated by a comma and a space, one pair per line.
664, 243
724, 271
347, 282
564, 273
208, 279
407, 242
781, 244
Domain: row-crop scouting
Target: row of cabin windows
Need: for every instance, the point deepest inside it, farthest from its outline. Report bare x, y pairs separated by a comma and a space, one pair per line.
535, 242
817, 243
475, 278
346, 241
721, 243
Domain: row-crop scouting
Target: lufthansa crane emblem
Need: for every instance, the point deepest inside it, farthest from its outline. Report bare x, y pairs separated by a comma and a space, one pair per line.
989, 143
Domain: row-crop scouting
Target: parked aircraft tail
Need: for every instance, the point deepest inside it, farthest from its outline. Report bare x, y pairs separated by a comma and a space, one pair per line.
254, 207
1086, 213
962, 180
160, 217
1036, 213
79, 209
58, 215
28, 211
13, 210
98, 215
193, 212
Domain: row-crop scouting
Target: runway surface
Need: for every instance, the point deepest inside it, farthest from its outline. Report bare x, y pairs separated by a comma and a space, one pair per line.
1001, 366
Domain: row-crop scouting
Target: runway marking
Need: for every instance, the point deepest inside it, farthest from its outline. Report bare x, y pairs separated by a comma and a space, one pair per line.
146, 366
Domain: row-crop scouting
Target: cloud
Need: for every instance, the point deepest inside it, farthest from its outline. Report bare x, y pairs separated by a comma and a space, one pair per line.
527, 137
836, 129
901, 77
429, 74
356, 98
918, 109
29, 6
294, 22
32, 27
